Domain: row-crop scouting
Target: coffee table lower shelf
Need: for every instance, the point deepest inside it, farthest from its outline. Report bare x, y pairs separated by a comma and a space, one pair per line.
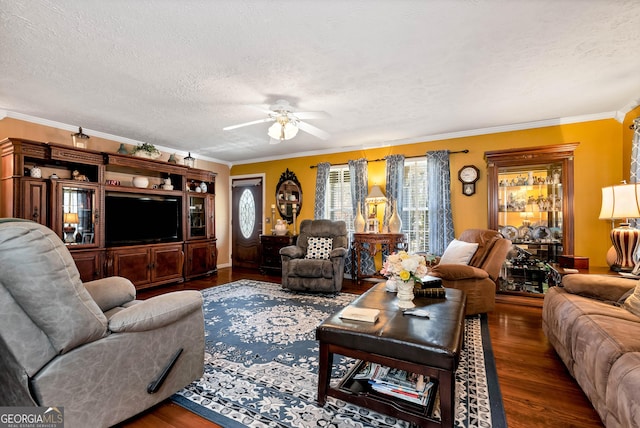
360, 392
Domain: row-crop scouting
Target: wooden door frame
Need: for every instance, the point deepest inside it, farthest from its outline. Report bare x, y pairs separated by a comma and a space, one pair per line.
262, 176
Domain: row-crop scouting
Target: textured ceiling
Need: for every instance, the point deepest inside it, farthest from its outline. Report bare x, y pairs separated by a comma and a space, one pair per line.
174, 73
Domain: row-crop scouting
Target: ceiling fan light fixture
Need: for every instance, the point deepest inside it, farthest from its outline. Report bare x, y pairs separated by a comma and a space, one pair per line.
282, 131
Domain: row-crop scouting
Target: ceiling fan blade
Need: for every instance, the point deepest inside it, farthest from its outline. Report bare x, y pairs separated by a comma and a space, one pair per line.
316, 132
311, 115
229, 128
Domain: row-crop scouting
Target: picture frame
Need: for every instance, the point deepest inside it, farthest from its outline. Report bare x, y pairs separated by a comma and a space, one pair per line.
372, 225
87, 238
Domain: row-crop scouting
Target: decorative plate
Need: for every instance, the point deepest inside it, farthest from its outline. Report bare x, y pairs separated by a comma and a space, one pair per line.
541, 232
509, 232
525, 233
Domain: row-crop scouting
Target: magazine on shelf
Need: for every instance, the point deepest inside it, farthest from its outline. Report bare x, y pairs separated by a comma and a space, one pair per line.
397, 383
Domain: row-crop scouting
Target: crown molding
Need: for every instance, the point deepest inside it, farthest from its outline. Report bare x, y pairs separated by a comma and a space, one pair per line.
617, 115
92, 132
445, 136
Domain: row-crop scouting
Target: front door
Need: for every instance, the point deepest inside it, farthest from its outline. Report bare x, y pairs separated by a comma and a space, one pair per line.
246, 222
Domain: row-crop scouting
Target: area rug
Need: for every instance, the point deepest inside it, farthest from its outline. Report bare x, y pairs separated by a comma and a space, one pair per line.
261, 364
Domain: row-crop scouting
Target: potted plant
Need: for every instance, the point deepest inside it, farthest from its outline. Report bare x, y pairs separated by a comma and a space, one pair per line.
146, 150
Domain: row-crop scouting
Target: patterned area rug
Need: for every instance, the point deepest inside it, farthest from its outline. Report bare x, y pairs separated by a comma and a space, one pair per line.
261, 364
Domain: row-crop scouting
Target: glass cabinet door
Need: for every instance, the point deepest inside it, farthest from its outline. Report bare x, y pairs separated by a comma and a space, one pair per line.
197, 217
530, 202
530, 193
79, 214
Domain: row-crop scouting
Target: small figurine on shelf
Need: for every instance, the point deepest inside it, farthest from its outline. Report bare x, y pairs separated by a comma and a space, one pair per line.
79, 177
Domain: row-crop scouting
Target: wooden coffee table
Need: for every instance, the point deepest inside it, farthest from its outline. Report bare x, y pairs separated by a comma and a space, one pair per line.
428, 346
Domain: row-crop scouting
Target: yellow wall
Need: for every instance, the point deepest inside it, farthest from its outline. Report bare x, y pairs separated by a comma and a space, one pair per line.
601, 159
598, 163
13, 128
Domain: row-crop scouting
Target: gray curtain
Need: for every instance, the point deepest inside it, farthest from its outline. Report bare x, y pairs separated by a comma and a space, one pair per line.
322, 180
359, 190
395, 181
634, 176
441, 231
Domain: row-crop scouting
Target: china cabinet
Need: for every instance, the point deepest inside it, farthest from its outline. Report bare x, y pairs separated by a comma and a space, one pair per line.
530, 193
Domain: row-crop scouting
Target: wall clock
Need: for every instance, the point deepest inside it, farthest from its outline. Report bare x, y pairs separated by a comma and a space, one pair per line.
468, 175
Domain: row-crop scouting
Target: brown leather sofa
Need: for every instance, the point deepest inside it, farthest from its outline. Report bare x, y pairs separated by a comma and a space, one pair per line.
477, 279
598, 338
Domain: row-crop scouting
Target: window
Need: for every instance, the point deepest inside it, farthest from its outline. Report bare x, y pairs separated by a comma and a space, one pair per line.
415, 220
338, 201
247, 211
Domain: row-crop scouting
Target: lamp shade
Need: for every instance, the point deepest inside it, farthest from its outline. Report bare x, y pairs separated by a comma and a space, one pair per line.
620, 202
71, 218
376, 196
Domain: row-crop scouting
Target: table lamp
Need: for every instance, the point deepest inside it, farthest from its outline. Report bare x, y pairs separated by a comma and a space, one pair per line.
69, 231
622, 202
375, 197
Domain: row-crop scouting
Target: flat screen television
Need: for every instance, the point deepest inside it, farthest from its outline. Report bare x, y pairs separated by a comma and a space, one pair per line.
132, 219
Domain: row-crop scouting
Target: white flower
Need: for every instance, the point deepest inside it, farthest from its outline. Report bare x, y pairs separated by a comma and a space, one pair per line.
404, 266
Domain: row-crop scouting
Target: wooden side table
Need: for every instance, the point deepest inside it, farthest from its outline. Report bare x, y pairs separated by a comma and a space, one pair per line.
270, 251
372, 243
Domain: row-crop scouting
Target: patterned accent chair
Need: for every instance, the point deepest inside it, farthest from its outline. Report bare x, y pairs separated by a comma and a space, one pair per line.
90, 348
477, 279
324, 273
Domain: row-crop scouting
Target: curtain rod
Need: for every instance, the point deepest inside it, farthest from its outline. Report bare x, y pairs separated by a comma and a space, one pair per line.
408, 157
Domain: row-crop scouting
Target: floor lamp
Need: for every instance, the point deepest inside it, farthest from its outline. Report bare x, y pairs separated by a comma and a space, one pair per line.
622, 202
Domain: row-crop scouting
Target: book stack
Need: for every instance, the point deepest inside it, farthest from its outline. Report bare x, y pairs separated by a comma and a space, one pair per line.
397, 383
431, 286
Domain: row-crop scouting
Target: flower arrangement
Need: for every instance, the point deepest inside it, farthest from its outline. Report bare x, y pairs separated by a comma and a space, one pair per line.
405, 266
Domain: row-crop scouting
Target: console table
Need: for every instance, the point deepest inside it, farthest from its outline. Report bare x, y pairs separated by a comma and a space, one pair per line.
372, 243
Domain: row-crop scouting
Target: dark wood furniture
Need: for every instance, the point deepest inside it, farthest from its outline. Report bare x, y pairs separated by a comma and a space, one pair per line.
270, 246
428, 346
372, 243
49, 197
530, 200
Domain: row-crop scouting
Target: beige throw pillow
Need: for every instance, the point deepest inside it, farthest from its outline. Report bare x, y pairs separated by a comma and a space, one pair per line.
459, 252
632, 304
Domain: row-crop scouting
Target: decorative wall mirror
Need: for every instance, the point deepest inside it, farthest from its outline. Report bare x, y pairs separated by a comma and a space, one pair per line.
288, 196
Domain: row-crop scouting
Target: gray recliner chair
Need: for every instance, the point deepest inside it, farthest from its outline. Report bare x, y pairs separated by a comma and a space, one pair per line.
308, 270
90, 348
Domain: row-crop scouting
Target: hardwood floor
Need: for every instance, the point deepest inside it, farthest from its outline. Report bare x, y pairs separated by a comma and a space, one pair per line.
537, 390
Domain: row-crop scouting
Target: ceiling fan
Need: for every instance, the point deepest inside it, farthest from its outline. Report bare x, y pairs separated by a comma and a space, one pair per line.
287, 122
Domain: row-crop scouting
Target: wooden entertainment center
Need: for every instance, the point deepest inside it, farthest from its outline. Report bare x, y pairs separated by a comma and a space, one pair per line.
159, 230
